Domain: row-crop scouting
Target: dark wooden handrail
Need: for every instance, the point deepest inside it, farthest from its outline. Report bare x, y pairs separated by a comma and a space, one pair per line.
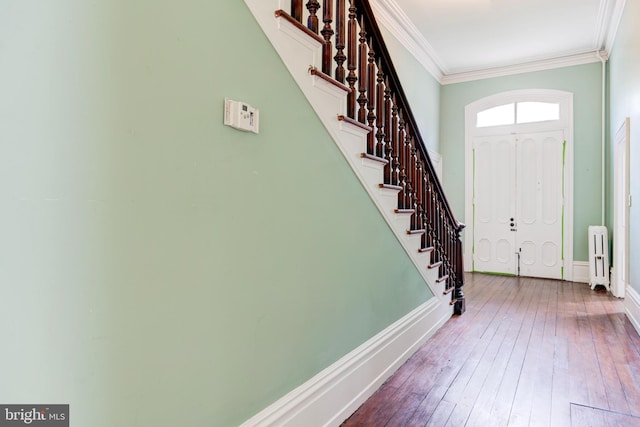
376, 101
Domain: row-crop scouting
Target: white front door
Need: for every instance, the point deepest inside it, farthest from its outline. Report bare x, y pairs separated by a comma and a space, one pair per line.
518, 204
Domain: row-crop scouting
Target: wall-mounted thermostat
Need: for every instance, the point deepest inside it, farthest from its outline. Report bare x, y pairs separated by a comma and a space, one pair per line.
242, 116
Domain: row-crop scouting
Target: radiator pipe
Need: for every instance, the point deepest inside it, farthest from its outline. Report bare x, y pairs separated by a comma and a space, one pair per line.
603, 56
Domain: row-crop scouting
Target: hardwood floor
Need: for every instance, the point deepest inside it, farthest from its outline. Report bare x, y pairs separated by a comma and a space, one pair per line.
528, 352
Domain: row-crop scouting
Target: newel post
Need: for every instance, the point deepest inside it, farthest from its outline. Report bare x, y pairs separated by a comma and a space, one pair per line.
458, 294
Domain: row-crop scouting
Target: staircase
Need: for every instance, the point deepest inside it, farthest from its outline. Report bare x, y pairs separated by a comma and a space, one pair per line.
337, 56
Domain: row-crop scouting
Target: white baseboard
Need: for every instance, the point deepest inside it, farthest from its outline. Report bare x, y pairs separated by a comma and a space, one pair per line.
632, 307
580, 272
335, 393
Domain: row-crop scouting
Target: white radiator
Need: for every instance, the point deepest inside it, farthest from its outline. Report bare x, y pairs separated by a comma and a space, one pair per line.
598, 256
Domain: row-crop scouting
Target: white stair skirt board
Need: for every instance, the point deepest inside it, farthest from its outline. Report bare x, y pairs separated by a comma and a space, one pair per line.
632, 307
335, 393
300, 52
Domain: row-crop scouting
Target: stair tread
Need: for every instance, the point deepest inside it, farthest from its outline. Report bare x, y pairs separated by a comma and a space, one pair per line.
284, 15
435, 265
390, 187
374, 158
315, 72
354, 122
427, 249
405, 211
420, 231
442, 279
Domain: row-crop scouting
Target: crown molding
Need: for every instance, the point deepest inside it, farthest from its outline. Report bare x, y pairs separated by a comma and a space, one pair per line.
614, 23
528, 67
609, 16
602, 21
392, 18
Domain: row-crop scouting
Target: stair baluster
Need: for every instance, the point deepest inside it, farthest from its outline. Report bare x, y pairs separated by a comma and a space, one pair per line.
380, 113
388, 131
363, 71
296, 10
371, 106
352, 60
402, 163
426, 239
392, 173
419, 181
312, 21
340, 41
327, 33
413, 167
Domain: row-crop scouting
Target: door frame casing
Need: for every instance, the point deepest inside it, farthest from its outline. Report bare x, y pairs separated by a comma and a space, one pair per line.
565, 100
621, 148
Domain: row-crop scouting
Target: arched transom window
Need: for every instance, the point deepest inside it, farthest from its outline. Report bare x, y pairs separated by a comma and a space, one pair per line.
518, 113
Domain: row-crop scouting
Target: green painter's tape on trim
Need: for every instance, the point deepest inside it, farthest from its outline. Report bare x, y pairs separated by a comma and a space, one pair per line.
473, 213
564, 153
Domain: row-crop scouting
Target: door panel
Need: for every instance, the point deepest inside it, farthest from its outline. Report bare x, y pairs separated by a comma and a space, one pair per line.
539, 203
494, 249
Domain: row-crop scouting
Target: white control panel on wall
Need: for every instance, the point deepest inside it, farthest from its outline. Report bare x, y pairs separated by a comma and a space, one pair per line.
241, 116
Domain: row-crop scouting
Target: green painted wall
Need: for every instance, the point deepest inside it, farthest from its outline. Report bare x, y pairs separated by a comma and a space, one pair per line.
421, 89
624, 101
584, 81
158, 268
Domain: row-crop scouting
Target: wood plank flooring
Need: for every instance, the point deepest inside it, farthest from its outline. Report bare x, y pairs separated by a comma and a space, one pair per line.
528, 352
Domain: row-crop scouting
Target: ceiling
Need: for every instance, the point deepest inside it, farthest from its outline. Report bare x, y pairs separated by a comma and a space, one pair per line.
467, 39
